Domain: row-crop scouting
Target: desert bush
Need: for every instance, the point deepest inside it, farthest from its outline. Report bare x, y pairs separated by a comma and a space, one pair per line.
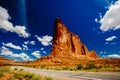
24, 76
65, 68
57, 69
4, 69
79, 67
16, 69
19, 76
21, 69
43, 67
1, 74
48, 78
90, 66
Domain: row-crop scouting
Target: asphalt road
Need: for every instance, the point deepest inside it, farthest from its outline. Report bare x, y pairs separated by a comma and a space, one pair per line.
73, 75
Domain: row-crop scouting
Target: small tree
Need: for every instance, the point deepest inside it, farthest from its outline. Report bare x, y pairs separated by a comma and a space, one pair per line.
79, 66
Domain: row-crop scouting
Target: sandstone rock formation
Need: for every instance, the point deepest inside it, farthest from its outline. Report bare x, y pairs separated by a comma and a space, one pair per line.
68, 44
4, 61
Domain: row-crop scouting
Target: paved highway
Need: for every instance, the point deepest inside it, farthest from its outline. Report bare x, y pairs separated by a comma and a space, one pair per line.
73, 75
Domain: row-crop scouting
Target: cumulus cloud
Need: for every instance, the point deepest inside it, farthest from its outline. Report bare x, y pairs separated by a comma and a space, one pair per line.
30, 42
114, 56
45, 40
111, 19
25, 47
26, 42
25, 57
41, 48
44, 52
106, 42
6, 52
102, 52
36, 54
110, 38
11, 45
6, 25
96, 20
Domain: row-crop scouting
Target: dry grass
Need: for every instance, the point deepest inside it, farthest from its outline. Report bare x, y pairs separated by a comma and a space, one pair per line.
20, 74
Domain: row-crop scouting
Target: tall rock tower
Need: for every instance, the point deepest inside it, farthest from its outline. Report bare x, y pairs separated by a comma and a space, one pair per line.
68, 44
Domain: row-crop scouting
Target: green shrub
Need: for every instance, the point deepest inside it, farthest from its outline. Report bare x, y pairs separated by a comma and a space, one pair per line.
1, 74
90, 66
48, 78
4, 69
19, 76
16, 69
79, 67
43, 67
21, 69
65, 68
36, 78
30, 75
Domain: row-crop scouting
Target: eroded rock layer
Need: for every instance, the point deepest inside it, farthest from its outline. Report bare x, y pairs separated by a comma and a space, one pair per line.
68, 44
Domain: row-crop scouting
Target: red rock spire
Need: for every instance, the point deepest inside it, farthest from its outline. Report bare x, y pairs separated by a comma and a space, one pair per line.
67, 44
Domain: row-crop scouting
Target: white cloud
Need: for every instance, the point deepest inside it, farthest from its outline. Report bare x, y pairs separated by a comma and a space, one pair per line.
110, 38
11, 45
26, 42
111, 19
45, 40
36, 54
44, 52
41, 48
96, 20
6, 52
25, 47
106, 42
102, 52
114, 56
24, 57
6, 25
30, 42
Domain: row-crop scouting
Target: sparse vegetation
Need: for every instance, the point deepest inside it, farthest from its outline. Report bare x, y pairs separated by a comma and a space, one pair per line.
21, 69
66, 68
16, 69
90, 66
25, 76
48, 78
43, 67
3, 70
1, 74
20, 74
79, 67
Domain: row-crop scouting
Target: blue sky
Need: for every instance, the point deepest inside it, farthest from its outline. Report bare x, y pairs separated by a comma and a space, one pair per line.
26, 27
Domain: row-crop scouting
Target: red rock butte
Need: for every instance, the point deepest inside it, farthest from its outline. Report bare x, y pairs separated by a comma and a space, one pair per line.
68, 44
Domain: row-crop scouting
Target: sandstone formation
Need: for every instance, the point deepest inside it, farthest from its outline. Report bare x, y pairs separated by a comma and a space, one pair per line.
68, 44
4, 61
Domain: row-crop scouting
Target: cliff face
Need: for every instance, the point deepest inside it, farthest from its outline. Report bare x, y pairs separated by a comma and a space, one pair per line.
68, 44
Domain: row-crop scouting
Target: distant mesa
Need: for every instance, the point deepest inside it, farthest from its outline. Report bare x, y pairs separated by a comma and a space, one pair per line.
4, 61
68, 44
